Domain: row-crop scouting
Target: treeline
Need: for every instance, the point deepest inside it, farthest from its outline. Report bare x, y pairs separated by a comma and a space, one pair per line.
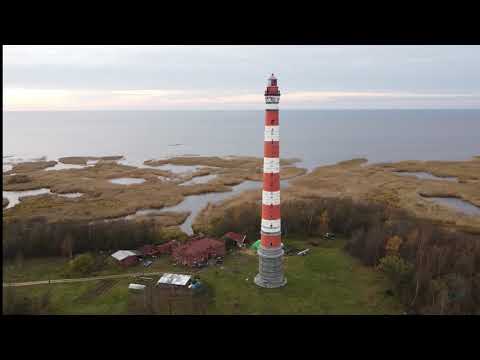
433, 270
39, 239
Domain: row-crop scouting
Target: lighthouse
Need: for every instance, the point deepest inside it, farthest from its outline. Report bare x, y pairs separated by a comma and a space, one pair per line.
270, 251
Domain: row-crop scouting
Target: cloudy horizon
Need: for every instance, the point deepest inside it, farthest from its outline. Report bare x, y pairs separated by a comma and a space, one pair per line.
233, 77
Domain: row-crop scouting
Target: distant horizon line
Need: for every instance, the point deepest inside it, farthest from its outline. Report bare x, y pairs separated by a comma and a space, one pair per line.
285, 109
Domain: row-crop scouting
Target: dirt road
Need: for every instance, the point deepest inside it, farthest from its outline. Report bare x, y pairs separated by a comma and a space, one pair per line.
94, 278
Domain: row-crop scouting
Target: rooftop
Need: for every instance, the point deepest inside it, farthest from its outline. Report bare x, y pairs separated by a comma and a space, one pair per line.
136, 286
123, 254
236, 237
174, 279
199, 246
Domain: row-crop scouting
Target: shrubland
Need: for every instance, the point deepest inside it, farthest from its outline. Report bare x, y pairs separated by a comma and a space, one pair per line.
433, 270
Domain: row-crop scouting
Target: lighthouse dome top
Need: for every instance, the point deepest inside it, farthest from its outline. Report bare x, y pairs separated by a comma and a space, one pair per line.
272, 80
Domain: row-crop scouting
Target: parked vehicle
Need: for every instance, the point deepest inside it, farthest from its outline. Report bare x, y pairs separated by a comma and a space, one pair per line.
147, 263
329, 236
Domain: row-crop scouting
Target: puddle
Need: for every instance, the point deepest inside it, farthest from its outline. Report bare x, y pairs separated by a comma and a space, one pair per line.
458, 204
426, 176
178, 169
62, 166
127, 181
164, 178
199, 180
71, 195
135, 163
14, 196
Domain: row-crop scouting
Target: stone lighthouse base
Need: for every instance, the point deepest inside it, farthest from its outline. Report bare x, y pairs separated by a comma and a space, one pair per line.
270, 268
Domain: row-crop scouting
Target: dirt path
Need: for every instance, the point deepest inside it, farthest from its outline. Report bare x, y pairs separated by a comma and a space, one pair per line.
94, 278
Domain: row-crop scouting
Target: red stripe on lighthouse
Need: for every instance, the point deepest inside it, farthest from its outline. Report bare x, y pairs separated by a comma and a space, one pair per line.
271, 149
271, 182
270, 212
271, 117
269, 241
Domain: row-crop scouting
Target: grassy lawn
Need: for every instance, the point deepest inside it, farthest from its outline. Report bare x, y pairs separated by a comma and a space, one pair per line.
326, 281
33, 269
66, 298
53, 268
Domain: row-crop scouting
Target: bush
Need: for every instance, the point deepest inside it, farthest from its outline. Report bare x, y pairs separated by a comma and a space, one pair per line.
397, 270
82, 264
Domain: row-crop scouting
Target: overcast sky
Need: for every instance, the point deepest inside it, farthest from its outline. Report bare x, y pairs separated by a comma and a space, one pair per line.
234, 77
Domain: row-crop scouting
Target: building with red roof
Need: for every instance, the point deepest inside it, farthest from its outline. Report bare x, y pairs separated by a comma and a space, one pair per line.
198, 251
149, 250
167, 248
232, 238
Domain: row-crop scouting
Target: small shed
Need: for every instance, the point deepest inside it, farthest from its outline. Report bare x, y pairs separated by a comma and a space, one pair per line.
136, 287
233, 239
126, 257
174, 279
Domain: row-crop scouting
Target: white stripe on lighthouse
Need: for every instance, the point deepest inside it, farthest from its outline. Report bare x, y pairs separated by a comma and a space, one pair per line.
271, 197
271, 165
271, 106
269, 99
271, 226
272, 133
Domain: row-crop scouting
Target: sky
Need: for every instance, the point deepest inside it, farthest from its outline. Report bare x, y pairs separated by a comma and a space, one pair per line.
234, 77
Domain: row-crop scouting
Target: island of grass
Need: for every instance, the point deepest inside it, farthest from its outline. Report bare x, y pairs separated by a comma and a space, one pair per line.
326, 281
103, 199
380, 183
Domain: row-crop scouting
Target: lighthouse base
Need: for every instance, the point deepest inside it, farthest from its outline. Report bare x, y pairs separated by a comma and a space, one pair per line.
270, 268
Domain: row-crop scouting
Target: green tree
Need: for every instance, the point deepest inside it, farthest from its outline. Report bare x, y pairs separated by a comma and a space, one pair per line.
397, 269
81, 265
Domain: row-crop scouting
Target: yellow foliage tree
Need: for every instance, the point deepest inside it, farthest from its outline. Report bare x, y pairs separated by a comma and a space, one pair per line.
393, 244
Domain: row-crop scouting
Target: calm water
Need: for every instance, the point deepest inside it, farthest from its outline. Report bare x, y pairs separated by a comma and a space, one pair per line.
426, 176
14, 197
458, 204
318, 137
195, 203
127, 181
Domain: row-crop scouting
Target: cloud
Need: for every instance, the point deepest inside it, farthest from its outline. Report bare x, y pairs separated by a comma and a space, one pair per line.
158, 99
91, 77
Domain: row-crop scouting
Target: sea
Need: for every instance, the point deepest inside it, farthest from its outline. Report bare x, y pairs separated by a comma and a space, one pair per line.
317, 137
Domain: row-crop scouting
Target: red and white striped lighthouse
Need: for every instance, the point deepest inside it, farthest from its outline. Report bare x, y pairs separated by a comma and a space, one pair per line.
270, 250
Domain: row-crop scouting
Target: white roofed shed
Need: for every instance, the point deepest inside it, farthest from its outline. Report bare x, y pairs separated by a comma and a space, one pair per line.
123, 254
174, 279
133, 286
